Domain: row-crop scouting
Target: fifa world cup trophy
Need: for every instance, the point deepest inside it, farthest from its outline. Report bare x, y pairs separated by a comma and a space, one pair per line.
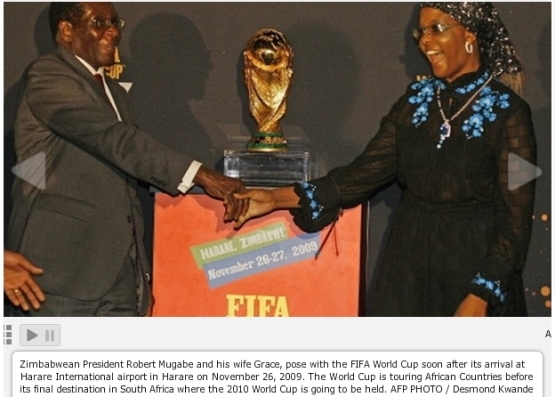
268, 71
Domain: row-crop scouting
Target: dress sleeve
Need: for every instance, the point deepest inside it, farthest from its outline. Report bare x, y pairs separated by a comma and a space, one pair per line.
321, 200
514, 205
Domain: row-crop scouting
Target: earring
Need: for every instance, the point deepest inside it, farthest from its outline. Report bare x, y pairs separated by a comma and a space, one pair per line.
468, 47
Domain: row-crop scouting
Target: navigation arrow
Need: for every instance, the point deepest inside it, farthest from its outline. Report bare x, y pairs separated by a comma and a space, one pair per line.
33, 170
521, 171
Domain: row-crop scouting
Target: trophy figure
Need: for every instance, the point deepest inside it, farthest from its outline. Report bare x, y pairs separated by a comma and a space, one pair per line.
268, 59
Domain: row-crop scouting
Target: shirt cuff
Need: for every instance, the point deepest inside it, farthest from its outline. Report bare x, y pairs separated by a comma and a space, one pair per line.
187, 181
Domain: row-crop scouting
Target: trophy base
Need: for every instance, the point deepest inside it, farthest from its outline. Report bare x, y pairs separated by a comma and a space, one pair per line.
267, 169
267, 142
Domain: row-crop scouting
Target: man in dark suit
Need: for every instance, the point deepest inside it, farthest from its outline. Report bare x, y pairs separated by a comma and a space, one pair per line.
84, 227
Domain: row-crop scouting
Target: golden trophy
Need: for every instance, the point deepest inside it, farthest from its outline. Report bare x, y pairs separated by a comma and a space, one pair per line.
268, 71
267, 161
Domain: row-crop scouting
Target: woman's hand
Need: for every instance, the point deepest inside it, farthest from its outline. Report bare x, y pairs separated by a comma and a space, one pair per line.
260, 202
472, 306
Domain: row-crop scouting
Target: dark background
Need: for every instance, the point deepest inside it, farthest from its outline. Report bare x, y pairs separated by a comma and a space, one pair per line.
351, 62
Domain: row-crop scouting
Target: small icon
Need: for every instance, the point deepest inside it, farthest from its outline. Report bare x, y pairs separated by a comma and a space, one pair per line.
126, 86
49, 335
521, 171
40, 335
7, 334
33, 170
30, 335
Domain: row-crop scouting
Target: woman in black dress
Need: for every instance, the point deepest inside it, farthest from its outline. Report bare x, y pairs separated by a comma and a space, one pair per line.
461, 233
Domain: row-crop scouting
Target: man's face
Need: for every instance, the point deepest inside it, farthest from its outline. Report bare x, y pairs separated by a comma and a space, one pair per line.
95, 45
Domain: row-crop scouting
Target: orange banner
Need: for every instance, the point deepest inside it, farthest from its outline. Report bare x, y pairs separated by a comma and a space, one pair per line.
203, 267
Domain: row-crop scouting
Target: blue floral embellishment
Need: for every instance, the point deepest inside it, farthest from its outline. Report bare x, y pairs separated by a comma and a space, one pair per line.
492, 286
484, 107
472, 86
473, 127
316, 208
423, 97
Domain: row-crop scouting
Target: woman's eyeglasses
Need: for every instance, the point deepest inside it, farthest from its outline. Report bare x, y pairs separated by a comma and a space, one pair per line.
432, 30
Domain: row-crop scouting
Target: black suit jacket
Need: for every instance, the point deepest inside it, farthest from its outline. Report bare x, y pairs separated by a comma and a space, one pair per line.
80, 227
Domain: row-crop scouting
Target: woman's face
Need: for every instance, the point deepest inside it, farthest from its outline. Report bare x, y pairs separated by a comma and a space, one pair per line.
445, 47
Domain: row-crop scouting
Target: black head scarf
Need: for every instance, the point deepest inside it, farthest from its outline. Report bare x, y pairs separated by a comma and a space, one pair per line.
482, 19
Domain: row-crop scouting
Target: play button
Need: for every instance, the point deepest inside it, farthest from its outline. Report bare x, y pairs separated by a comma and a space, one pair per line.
30, 335
521, 171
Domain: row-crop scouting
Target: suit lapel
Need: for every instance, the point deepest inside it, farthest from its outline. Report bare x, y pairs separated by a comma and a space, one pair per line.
120, 98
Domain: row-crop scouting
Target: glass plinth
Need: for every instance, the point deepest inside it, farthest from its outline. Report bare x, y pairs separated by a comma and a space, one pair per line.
267, 169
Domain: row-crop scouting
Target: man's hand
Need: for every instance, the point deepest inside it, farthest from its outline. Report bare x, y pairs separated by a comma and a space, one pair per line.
472, 306
19, 285
222, 187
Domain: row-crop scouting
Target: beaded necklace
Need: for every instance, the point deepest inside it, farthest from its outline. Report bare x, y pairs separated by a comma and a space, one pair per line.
445, 129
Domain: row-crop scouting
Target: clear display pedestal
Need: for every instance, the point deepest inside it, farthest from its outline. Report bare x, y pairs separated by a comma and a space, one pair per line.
274, 169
